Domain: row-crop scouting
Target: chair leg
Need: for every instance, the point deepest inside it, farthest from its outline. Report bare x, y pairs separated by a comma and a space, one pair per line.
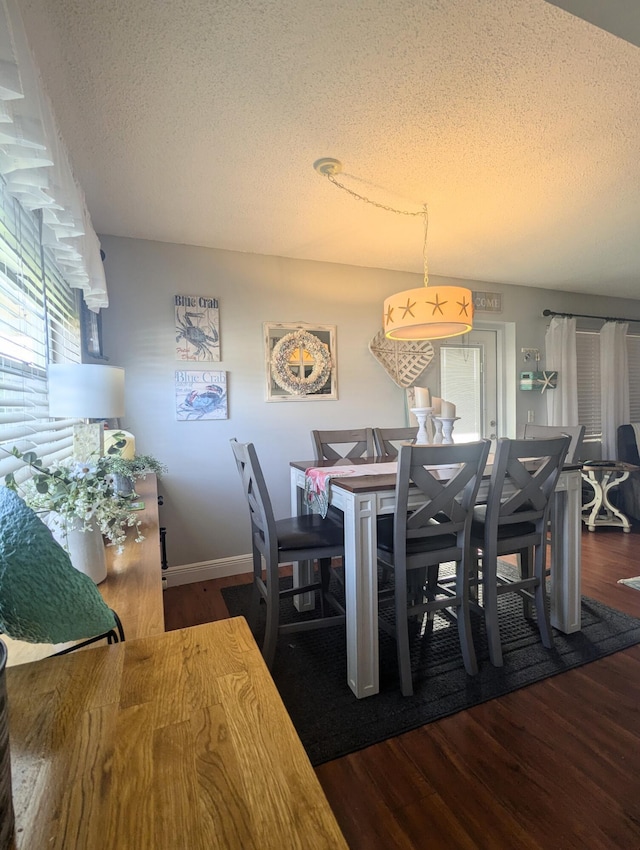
402, 632
273, 614
256, 596
542, 600
324, 565
473, 571
270, 633
490, 605
431, 591
464, 619
526, 558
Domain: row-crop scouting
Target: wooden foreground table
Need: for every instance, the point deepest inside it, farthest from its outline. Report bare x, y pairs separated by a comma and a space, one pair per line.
178, 740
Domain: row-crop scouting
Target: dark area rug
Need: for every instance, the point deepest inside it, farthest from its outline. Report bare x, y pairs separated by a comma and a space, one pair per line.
310, 671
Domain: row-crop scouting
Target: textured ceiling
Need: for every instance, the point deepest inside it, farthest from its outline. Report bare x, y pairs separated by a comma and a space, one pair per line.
198, 122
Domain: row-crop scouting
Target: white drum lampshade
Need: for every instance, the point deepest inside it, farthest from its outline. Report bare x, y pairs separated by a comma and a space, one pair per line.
86, 391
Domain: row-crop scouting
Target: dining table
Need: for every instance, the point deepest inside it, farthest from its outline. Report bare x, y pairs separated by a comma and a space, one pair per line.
366, 492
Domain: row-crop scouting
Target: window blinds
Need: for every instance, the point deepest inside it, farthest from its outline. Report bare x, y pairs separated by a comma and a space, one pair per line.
38, 325
588, 367
633, 353
588, 352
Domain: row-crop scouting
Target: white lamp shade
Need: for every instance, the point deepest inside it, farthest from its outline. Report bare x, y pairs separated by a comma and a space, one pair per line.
429, 312
85, 391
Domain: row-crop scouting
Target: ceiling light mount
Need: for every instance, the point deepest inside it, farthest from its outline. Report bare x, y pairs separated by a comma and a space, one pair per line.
327, 166
430, 312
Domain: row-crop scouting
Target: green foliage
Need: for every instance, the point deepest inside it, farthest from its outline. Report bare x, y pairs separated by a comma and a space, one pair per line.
75, 492
136, 467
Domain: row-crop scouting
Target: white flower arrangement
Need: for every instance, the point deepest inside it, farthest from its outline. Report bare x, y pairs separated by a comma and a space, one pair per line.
79, 494
281, 367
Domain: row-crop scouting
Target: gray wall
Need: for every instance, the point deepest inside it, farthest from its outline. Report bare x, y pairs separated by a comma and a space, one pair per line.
203, 510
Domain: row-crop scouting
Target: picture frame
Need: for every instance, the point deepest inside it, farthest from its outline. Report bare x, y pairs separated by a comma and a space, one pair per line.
197, 325
300, 362
91, 331
200, 395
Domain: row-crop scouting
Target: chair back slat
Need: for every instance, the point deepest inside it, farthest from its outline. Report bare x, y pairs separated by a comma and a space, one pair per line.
386, 439
353, 443
448, 477
520, 492
545, 432
255, 490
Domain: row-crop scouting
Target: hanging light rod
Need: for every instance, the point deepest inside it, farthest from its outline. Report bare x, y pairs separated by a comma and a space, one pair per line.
586, 316
428, 312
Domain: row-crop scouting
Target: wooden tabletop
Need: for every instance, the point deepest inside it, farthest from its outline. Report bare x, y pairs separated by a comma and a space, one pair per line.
358, 484
367, 483
608, 466
179, 740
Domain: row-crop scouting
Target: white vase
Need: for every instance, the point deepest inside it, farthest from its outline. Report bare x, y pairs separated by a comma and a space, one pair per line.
85, 548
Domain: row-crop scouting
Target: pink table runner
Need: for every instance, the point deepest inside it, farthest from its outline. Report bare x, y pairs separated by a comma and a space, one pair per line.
317, 480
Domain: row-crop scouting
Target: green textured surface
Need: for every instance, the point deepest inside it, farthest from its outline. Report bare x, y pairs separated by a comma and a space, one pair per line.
43, 599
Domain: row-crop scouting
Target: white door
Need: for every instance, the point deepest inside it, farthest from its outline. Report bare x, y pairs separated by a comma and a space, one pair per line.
469, 379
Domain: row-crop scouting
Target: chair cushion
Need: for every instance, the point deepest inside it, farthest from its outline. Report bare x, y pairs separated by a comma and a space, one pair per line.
517, 529
309, 531
428, 544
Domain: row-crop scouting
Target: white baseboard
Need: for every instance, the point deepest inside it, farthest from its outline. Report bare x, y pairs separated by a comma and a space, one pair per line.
205, 570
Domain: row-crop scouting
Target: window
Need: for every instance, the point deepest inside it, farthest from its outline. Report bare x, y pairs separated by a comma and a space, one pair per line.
633, 353
588, 354
461, 383
588, 370
38, 325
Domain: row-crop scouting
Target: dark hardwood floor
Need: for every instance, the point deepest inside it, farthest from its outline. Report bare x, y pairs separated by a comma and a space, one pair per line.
554, 766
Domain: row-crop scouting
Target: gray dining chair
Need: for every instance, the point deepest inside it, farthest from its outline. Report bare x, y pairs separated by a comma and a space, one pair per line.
347, 443
422, 534
308, 537
544, 432
387, 440
514, 522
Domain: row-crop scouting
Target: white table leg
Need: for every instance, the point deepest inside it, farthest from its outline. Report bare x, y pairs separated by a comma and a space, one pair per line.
566, 543
609, 482
603, 511
361, 591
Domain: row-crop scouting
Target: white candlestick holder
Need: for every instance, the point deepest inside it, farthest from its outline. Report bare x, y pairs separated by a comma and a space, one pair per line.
422, 414
444, 426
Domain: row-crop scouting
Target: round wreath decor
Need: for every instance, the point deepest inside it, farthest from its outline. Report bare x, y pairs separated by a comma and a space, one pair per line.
281, 369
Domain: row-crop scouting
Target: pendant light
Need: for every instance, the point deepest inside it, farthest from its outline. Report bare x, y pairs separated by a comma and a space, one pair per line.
426, 312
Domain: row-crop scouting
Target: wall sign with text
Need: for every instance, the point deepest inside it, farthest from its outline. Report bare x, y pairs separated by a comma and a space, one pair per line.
201, 395
197, 328
487, 302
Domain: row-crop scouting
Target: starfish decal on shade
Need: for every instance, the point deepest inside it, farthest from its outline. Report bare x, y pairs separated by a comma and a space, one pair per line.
389, 316
464, 305
437, 305
408, 308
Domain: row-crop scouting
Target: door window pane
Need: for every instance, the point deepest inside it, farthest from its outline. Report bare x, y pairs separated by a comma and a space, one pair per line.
461, 383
